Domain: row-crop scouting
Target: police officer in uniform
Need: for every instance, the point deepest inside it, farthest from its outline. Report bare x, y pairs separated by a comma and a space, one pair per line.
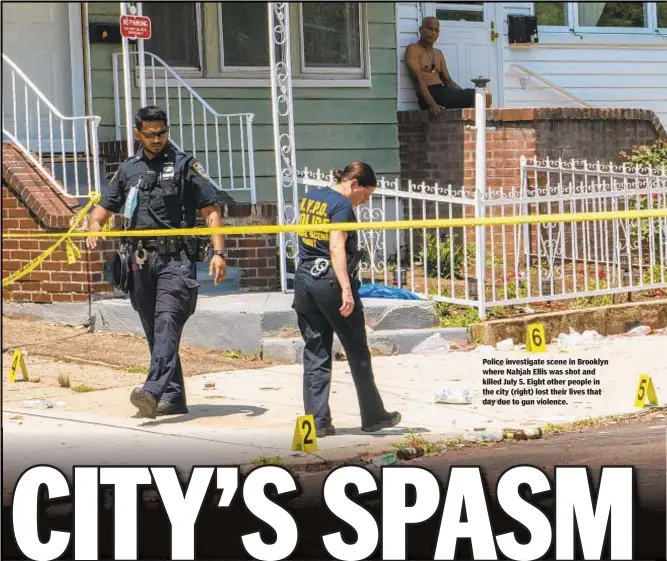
326, 300
161, 188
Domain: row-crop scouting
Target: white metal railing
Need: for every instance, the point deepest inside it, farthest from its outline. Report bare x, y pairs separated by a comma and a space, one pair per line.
64, 148
405, 257
223, 143
549, 83
520, 264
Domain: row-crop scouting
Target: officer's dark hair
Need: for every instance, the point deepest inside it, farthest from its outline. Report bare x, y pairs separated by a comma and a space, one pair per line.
150, 113
360, 171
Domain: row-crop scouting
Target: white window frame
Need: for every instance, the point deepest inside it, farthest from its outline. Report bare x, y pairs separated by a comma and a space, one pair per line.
648, 28
361, 72
566, 27
651, 27
448, 6
188, 71
655, 16
245, 71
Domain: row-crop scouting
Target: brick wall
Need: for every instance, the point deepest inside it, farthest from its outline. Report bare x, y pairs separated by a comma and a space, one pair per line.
442, 151
30, 203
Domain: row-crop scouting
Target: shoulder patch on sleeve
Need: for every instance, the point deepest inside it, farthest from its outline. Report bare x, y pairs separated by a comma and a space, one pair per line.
199, 170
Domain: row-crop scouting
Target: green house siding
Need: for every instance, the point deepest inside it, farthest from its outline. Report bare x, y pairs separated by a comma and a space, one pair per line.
333, 125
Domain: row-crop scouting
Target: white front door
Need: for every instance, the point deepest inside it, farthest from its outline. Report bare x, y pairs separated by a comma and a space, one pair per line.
41, 39
469, 42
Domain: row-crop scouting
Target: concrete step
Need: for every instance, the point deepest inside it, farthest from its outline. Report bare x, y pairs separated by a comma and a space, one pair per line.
380, 314
226, 320
381, 343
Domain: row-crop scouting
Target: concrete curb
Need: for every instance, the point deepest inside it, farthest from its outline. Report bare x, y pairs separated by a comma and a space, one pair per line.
304, 463
383, 343
613, 319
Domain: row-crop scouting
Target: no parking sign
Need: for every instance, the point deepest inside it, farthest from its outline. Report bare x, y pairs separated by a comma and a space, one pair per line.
135, 27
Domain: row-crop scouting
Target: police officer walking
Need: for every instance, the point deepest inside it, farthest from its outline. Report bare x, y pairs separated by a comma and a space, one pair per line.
326, 300
161, 188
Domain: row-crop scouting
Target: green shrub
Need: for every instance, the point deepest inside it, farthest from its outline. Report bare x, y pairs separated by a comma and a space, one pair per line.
654, 155
448, 253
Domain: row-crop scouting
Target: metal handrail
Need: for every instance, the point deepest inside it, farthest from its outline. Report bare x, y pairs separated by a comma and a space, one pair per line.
91, 124
245, 120
551, 84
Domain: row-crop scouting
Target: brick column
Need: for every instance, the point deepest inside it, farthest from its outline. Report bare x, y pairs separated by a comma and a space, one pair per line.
30, 203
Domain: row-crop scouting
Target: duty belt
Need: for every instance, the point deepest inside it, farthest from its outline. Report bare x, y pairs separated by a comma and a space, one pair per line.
158, 243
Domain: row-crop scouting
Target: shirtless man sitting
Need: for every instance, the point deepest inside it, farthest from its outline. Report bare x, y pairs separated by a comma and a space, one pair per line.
435, 87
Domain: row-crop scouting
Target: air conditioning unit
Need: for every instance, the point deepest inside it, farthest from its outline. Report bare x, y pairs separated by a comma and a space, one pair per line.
522, 29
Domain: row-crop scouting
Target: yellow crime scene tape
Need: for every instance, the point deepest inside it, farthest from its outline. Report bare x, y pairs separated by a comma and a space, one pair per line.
347, 226
73, 252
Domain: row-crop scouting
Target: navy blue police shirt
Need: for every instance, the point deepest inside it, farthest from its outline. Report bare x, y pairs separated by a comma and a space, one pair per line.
180, 184
323, 205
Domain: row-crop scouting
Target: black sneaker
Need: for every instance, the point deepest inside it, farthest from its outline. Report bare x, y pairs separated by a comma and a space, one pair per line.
391, 420
171, 408
145, 402
329, 430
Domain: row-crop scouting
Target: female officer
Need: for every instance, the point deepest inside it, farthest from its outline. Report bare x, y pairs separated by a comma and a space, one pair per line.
326, 300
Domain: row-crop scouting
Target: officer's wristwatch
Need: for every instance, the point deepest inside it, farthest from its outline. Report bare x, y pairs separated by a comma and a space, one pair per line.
221, 252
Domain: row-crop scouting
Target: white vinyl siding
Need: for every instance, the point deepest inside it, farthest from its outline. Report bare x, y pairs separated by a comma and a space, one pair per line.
409, 20
605, 69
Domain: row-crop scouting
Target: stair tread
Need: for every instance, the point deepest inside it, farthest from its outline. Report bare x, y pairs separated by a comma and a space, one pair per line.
389, 332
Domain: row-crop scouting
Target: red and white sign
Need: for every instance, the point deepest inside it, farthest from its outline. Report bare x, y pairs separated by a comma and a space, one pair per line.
135, 27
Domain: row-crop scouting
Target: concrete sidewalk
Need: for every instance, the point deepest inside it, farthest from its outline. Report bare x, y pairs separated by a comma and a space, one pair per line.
239, 417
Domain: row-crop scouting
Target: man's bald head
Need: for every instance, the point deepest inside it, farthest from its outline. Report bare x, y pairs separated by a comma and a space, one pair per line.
429, 31
430, 19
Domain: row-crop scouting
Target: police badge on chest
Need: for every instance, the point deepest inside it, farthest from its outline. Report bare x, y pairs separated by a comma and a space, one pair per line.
168, 180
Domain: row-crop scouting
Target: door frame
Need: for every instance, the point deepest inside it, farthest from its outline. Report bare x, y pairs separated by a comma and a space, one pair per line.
499, 18
495, 12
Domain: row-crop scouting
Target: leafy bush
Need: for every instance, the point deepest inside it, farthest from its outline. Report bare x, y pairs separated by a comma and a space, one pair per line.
654, 155
430, 257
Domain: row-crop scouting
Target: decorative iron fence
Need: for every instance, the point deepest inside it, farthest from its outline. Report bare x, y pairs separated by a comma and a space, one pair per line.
64, 148
522, 263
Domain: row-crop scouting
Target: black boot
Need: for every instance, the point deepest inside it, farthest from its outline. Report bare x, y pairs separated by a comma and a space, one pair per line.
329, 430
391, 420
171, 408
145, 402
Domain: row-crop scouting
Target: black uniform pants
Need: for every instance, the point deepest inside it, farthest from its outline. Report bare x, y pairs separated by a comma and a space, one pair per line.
164, 292
317, 303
